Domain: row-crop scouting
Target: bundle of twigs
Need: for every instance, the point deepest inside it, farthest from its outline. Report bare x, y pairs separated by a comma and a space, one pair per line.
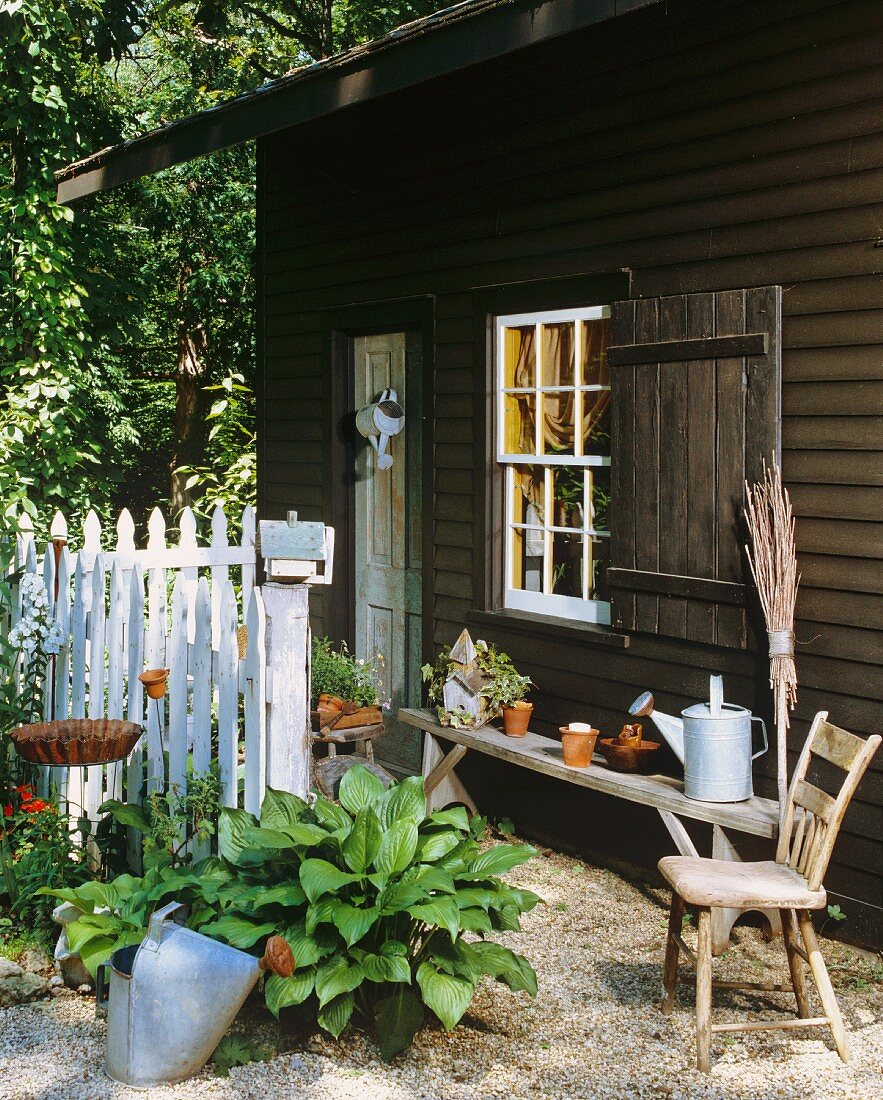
773, 563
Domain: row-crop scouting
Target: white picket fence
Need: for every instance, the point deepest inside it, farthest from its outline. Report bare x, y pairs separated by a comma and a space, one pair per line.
124, 610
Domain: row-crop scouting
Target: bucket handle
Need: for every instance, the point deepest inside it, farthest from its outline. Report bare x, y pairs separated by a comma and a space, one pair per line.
174, 909
766, 744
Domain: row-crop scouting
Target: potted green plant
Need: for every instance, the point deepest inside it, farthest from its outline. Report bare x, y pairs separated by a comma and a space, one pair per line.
505, 691
345, 688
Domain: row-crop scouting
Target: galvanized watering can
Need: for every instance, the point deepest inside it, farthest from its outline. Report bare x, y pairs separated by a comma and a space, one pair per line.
379, 422
173, 996
713, 742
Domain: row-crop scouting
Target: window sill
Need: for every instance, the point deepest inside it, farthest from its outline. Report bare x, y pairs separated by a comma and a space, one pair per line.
524, 622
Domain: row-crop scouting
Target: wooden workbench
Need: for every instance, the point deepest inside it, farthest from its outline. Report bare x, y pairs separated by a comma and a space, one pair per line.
756, 816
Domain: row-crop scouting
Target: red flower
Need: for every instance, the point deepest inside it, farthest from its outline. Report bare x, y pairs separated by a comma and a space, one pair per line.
36, 806
25, 792
7, 810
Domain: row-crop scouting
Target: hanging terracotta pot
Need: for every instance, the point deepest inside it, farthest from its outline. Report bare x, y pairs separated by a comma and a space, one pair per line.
155, 680
578, 745
516, 718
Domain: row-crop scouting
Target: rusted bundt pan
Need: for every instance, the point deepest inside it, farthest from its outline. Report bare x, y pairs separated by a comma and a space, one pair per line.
76, 740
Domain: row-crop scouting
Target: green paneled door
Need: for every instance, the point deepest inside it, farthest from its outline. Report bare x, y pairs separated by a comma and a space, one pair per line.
388, 543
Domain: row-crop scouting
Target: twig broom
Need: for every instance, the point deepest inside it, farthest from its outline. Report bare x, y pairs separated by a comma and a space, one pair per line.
773, 563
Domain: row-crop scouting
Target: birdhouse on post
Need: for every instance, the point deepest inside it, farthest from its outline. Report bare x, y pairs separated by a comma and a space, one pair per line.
296, 555
293, 550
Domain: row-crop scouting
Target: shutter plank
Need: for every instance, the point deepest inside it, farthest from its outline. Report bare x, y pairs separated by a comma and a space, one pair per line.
646, 443
763, 410
730, 321
622, 465
673, 473
701, 506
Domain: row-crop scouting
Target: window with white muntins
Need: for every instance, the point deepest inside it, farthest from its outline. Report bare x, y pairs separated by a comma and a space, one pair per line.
553, 449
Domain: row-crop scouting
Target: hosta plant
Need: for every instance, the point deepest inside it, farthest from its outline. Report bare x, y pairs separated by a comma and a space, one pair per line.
374, 897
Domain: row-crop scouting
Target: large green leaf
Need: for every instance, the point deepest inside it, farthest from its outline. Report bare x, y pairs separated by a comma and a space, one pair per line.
386, 968
97, 951
332, 815
237, 931
397, 1018
230, 828
282, 992
505, 919
501, 858
318, 877
256, 837
435, 846
279, 810
336, 1015
404, 802
447, 996
399, 896
288, 894
309, 948
441, 912
397, 848
337, 976
363, 842
430, 877
475, 920
470, 896
523, 900
127, 814
506, 966
320, 912
352, 922
359, 788
455, 815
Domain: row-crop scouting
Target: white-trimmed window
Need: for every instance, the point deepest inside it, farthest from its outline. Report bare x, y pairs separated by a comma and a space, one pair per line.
553, 446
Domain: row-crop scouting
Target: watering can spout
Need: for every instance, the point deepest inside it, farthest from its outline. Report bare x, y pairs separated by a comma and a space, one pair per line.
672, 729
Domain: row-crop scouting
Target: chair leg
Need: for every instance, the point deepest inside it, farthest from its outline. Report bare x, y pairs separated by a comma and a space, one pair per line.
672, 951
823, 984
795, 963
703, 992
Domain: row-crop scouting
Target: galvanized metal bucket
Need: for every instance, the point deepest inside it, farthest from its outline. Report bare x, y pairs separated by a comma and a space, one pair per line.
173, 996
717, 752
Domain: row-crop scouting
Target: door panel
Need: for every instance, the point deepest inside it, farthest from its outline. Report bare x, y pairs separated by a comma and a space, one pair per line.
388, 542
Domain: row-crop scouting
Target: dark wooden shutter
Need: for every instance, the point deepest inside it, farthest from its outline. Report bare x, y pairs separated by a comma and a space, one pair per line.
696, 381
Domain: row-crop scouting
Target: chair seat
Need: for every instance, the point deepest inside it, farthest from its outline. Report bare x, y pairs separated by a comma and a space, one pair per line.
717, 882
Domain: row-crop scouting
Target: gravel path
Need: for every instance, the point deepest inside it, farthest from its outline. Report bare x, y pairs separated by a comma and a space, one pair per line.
594, 1030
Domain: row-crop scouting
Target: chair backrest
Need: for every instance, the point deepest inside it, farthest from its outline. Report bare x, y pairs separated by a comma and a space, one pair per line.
813, 817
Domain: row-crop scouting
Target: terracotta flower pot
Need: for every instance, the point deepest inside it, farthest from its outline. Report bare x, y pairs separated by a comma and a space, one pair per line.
516, 718
578, 746
154, 681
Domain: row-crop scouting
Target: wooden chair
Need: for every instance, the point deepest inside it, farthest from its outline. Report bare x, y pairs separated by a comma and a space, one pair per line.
792, 884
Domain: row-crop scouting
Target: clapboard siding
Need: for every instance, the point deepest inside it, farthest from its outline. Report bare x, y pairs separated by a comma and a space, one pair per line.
719, 145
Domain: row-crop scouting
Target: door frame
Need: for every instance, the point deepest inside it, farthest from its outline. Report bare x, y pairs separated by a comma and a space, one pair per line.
341, 326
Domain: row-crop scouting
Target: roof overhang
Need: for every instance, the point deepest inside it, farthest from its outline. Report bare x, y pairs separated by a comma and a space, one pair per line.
467, 34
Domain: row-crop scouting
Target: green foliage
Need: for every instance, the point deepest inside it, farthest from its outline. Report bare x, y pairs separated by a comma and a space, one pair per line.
503, 686
835, 913
337, 672
374, 897
236, 1050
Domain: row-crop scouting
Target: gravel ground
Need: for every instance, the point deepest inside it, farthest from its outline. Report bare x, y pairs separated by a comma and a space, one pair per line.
594, 1030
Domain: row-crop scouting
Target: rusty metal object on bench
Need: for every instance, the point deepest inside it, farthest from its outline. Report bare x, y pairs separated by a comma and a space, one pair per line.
328, 773
347, 736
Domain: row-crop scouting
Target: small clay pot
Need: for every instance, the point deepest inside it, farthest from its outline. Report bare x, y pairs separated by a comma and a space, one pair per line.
578, 746
154, 681
516, 719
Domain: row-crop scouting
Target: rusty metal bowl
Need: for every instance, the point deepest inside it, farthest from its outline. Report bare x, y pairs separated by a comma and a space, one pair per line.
627, 758
74, 741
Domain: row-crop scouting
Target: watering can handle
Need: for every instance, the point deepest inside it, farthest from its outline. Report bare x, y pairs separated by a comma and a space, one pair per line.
159, 918
765, 742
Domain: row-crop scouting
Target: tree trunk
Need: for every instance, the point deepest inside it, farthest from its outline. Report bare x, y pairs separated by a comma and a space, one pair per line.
191, 430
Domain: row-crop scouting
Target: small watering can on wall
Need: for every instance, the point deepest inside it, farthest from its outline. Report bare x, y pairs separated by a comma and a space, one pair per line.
173, 996
379, 422
713, 742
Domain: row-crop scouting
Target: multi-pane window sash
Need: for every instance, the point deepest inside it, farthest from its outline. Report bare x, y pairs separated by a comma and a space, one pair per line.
553, 447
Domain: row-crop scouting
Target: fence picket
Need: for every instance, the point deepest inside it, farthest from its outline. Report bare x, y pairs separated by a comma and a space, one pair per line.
96, 636
228, 697
187, 544
201, 672
155, 655
116, 663
219, 573
135, 701
247, 542
177, 656
255, 705
61, 662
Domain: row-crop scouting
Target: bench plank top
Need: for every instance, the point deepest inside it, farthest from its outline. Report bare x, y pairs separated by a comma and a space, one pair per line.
758, 816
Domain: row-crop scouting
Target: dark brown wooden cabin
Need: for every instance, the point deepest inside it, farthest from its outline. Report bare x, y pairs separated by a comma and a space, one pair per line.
711, 171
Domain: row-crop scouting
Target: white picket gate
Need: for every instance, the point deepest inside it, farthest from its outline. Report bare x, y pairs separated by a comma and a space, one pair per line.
125, 610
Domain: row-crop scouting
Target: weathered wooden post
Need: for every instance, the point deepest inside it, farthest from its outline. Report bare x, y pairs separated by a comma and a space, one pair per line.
291, 551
